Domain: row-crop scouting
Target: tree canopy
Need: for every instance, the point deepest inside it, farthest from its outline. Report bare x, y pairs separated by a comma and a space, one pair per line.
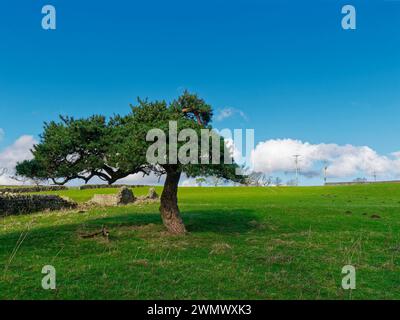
114, 148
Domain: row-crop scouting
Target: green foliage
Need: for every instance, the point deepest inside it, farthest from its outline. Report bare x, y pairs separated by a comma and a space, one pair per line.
115, 148
193, 108
74, 148
133, 129
31, 169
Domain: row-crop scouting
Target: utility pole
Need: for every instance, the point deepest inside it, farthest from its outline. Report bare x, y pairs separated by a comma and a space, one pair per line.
374, 175
325, 171
296, 161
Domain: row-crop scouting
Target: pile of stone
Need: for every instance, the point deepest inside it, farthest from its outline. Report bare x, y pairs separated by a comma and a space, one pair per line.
123, 197
152, 194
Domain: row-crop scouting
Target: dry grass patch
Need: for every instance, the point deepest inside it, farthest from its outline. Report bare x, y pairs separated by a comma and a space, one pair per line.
220, 248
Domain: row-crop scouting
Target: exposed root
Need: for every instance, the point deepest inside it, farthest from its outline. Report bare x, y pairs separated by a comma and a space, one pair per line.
103, 232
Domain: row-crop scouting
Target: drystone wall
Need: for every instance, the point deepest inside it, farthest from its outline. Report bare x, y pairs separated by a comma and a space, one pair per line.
108, 186
31, 189
13, 204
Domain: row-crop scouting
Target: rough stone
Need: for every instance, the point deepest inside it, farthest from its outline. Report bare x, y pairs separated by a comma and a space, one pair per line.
125, 196
104, 200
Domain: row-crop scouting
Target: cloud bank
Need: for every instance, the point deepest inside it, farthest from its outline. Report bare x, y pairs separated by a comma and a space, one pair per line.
270, 156
342, 160
18, 151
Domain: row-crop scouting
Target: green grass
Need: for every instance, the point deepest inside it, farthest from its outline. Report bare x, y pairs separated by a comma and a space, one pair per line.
11, 186
244, 243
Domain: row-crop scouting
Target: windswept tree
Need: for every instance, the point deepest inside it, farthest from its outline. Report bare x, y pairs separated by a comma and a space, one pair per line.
172, 135
216, 181
258, 179
166, 139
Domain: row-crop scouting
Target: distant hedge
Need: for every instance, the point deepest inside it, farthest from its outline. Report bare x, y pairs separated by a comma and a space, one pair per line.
32, 189
109, 186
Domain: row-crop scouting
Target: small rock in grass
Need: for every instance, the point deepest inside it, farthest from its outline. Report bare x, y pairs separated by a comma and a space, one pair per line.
140, 262
375, 216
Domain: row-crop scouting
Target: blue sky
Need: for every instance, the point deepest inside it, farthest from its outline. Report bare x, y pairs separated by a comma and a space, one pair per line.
286, 68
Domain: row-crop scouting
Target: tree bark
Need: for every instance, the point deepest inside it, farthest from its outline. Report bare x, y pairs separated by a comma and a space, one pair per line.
169, 204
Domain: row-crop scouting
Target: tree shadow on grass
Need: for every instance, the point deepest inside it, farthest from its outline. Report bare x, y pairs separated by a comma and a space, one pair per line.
206, 221
218, 221
221, 221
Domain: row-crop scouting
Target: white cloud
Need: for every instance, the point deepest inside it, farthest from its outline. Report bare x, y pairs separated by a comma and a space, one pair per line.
18, 151
228, 113
152, 179
138, 178
343, 160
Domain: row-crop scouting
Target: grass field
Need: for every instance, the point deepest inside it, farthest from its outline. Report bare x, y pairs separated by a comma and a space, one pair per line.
244, 243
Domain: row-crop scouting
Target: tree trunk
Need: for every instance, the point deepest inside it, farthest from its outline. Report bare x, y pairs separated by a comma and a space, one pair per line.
169, 204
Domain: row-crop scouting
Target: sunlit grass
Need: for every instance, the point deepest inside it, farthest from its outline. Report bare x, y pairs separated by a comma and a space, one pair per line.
244, 243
